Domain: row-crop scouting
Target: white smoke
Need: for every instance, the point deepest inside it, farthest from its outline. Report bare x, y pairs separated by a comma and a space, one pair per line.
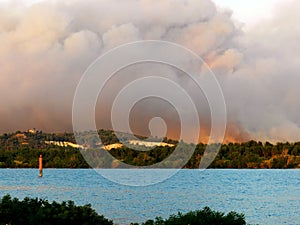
46, 47
265, 84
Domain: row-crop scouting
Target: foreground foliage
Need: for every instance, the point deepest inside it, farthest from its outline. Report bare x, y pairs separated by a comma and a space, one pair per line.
33, 211
205, 216
40, 212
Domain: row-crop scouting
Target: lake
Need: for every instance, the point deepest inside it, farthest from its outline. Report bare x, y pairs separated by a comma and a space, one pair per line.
266, 197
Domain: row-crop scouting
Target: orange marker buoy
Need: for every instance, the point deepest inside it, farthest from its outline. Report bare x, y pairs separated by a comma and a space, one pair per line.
41, 166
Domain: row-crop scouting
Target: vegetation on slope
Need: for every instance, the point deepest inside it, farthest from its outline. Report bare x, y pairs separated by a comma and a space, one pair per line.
22, 149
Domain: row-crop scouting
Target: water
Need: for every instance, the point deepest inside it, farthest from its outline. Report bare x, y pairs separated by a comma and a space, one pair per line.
266, 197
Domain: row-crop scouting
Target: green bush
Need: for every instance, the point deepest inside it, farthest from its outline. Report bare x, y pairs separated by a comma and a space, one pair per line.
40, 212
206, 216
33, 211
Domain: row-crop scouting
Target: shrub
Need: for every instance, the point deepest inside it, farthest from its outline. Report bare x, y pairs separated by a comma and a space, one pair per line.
206, 216
34, 211
40, 212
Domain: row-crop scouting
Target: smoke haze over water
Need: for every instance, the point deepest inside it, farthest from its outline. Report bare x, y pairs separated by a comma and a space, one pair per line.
46, 47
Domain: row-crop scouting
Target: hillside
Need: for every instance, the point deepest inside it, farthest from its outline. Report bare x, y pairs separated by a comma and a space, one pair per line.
59, 150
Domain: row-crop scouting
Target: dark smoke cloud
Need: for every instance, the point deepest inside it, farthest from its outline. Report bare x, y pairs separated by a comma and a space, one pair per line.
46, 47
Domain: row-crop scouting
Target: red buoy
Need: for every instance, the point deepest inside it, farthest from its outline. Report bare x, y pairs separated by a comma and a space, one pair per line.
41, 166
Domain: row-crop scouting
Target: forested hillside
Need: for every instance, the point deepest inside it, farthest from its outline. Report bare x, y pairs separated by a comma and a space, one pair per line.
22, 149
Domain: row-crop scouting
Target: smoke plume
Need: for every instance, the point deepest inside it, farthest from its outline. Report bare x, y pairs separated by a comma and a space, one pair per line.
46, 47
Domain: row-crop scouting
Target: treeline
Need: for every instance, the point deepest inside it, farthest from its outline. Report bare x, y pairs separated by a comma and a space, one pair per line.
53, 157
254, 154
250, 154
40, 212
22, 149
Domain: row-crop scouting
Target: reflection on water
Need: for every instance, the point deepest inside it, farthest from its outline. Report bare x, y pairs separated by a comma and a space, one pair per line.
265, 196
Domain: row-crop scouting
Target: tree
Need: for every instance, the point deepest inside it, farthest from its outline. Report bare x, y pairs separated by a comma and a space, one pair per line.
31, 211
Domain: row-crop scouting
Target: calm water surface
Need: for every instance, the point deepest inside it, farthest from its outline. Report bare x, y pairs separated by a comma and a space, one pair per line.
266, 197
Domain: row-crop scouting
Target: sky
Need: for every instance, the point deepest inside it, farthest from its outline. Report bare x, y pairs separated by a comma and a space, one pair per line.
250, 12
251, 48
246, 11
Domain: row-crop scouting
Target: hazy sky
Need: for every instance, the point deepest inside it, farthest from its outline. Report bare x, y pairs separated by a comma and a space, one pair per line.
246, 11
46, 47
250, 12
